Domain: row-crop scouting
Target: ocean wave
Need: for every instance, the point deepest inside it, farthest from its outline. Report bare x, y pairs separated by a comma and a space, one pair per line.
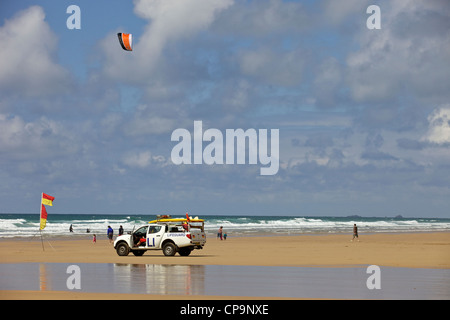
28, 225
328, 225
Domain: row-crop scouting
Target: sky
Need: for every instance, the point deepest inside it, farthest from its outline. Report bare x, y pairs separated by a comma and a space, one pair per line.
363, 113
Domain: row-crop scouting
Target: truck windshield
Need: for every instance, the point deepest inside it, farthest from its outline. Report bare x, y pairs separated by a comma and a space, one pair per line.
142, 231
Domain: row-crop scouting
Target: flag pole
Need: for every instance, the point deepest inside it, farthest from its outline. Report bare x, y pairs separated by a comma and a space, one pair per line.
42, 240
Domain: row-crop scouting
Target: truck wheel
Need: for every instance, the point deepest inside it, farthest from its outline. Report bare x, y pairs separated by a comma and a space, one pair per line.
169, 249
185, 252
122, 249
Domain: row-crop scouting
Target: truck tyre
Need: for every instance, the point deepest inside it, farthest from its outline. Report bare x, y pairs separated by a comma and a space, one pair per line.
169, 249
122, 249
185, 252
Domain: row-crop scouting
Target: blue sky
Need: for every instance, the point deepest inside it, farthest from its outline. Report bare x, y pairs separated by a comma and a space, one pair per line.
363, 115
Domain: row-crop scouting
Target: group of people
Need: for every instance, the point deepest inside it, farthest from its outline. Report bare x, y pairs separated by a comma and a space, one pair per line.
222, 235
71, 229
110, 233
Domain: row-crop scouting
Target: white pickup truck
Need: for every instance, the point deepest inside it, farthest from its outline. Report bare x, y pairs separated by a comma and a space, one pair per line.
166, 234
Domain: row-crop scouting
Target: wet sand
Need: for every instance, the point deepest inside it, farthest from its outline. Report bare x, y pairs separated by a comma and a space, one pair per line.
407, 250
196, 281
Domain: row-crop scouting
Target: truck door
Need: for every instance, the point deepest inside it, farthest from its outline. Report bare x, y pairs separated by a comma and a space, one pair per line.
154, 236
138, 235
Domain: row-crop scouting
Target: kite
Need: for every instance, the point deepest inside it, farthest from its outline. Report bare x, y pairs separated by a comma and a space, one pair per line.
126, 41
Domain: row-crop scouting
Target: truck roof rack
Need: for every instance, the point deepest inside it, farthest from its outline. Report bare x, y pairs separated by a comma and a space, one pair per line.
176, 220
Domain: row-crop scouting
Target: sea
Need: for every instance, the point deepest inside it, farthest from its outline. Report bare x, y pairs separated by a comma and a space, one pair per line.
27, 225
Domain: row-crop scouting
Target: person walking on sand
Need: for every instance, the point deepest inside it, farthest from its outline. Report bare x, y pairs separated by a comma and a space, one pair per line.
355, 232
110, 233
219, 233
94, 239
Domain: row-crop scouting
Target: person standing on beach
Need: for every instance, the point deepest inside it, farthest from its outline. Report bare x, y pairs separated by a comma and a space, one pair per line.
120, 230
219, 233
110, 233
355, 232
94, 239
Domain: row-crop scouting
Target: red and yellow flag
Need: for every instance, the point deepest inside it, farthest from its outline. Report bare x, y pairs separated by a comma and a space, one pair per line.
45, 200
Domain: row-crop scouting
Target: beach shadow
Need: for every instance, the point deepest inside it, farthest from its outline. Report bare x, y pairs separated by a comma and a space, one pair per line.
162, 256
179, 257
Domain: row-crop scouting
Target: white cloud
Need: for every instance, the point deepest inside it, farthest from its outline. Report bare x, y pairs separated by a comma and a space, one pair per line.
169, 20
410, 52
327, 82
38, 139
283, 69
439, 126
28, 59
147, 126
138, 160
147, 121
143, 159
264, 18
338, 11
172, 19
237, 95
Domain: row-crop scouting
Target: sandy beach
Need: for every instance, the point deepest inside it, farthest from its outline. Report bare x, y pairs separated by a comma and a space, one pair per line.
407, 250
